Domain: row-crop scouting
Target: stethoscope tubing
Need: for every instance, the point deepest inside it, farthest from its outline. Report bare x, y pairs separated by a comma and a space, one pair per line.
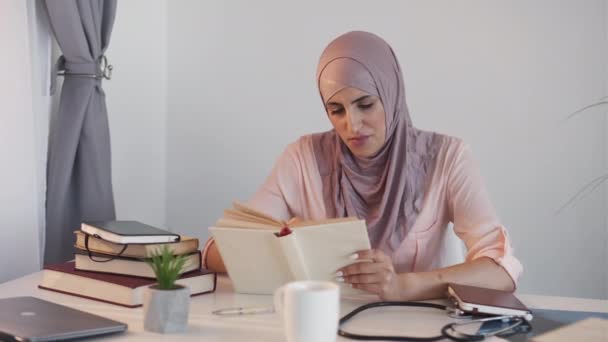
446, 331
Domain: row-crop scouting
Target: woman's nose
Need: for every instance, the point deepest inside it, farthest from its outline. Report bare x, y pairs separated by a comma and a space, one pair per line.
354, 121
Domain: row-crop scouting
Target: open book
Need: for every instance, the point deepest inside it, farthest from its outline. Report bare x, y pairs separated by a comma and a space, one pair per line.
261, 254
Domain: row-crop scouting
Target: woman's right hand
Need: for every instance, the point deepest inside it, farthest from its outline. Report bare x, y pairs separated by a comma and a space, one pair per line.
214, 259
376, 275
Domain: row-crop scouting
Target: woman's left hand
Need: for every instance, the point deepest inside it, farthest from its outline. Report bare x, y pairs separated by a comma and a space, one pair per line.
374, 274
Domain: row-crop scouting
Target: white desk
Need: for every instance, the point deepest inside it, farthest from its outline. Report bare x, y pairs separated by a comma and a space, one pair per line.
203, 326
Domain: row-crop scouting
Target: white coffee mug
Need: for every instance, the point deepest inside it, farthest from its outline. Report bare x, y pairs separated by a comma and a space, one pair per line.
310, 310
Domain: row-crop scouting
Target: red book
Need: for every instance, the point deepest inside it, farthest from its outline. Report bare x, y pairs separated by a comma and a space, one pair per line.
116, 289
478, 300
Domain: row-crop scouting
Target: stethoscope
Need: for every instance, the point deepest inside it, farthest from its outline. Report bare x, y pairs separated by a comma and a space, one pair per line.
449, 331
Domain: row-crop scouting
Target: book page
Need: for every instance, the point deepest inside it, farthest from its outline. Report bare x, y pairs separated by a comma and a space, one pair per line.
232, 223
296, 223
248, 210
253, 259
242, 216
292, 253
326, 248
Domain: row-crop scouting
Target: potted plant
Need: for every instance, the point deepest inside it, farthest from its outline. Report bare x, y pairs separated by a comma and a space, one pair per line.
166, 304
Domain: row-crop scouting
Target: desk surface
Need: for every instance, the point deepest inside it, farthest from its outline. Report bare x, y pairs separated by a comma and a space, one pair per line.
203, 326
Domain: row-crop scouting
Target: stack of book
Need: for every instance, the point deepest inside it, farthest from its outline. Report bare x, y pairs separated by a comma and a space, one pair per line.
109, 263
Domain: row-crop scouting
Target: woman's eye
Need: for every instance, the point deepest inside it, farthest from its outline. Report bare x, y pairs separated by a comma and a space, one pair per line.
366, 105
336, 111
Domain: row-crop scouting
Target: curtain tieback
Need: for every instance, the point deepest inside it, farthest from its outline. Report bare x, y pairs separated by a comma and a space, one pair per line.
96, 70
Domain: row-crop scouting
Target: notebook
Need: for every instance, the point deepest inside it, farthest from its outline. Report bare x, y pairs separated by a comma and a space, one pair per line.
478, 300
34, 319
186, 245
128, 232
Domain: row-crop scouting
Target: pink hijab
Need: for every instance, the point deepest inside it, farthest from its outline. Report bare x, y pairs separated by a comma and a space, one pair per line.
388, 188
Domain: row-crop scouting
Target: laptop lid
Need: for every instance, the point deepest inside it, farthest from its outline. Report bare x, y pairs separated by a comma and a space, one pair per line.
34, 319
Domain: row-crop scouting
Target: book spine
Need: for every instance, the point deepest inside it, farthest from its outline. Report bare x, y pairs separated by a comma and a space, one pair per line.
111, 302
149, 275
136, 268
88, 297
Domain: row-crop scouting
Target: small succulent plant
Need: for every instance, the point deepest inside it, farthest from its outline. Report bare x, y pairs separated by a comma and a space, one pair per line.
166, 267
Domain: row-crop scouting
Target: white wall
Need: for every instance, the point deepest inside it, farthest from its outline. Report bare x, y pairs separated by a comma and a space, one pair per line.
240, 86
24, 97
137, 110
606, 141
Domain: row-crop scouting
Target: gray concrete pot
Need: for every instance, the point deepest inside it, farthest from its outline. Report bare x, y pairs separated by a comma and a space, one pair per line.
166, 311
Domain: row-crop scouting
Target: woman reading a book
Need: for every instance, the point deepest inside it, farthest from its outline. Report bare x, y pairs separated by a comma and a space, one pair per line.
407, 184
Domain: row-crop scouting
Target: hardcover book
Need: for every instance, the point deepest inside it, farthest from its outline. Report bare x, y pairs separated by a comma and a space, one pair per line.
124, 265
477, 300
262, 253
115, 289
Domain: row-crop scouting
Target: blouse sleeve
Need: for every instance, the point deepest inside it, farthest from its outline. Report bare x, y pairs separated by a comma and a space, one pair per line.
275, 196
475, 220
278, 194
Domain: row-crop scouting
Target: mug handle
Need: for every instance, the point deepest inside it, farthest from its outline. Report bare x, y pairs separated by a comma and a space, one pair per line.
279, 299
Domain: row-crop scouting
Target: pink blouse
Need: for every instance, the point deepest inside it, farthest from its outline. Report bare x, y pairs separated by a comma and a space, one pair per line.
456, 193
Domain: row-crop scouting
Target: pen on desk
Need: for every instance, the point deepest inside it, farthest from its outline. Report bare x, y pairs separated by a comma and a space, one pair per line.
243, 311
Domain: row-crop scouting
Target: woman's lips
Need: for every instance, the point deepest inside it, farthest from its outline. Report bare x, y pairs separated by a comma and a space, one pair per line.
358, 141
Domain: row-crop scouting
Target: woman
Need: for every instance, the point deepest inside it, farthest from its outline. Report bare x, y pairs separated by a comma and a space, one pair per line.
408, 184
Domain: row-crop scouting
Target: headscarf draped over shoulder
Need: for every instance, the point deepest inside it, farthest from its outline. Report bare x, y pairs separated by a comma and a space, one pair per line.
386, 189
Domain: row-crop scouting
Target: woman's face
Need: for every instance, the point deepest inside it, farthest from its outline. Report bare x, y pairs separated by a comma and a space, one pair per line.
359, 120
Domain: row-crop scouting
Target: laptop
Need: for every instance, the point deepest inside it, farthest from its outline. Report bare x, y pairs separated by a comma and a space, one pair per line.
34, 319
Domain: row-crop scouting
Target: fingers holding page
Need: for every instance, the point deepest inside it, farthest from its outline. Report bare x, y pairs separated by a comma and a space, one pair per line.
370, 262
374, 255
363, 267
373, 273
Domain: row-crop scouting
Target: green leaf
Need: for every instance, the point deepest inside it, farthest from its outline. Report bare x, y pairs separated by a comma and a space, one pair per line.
166, 267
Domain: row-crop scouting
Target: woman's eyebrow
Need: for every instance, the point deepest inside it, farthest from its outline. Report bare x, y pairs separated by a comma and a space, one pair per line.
361, 99
353, 102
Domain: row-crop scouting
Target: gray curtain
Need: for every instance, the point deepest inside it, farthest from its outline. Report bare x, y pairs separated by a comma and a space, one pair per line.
79, 183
